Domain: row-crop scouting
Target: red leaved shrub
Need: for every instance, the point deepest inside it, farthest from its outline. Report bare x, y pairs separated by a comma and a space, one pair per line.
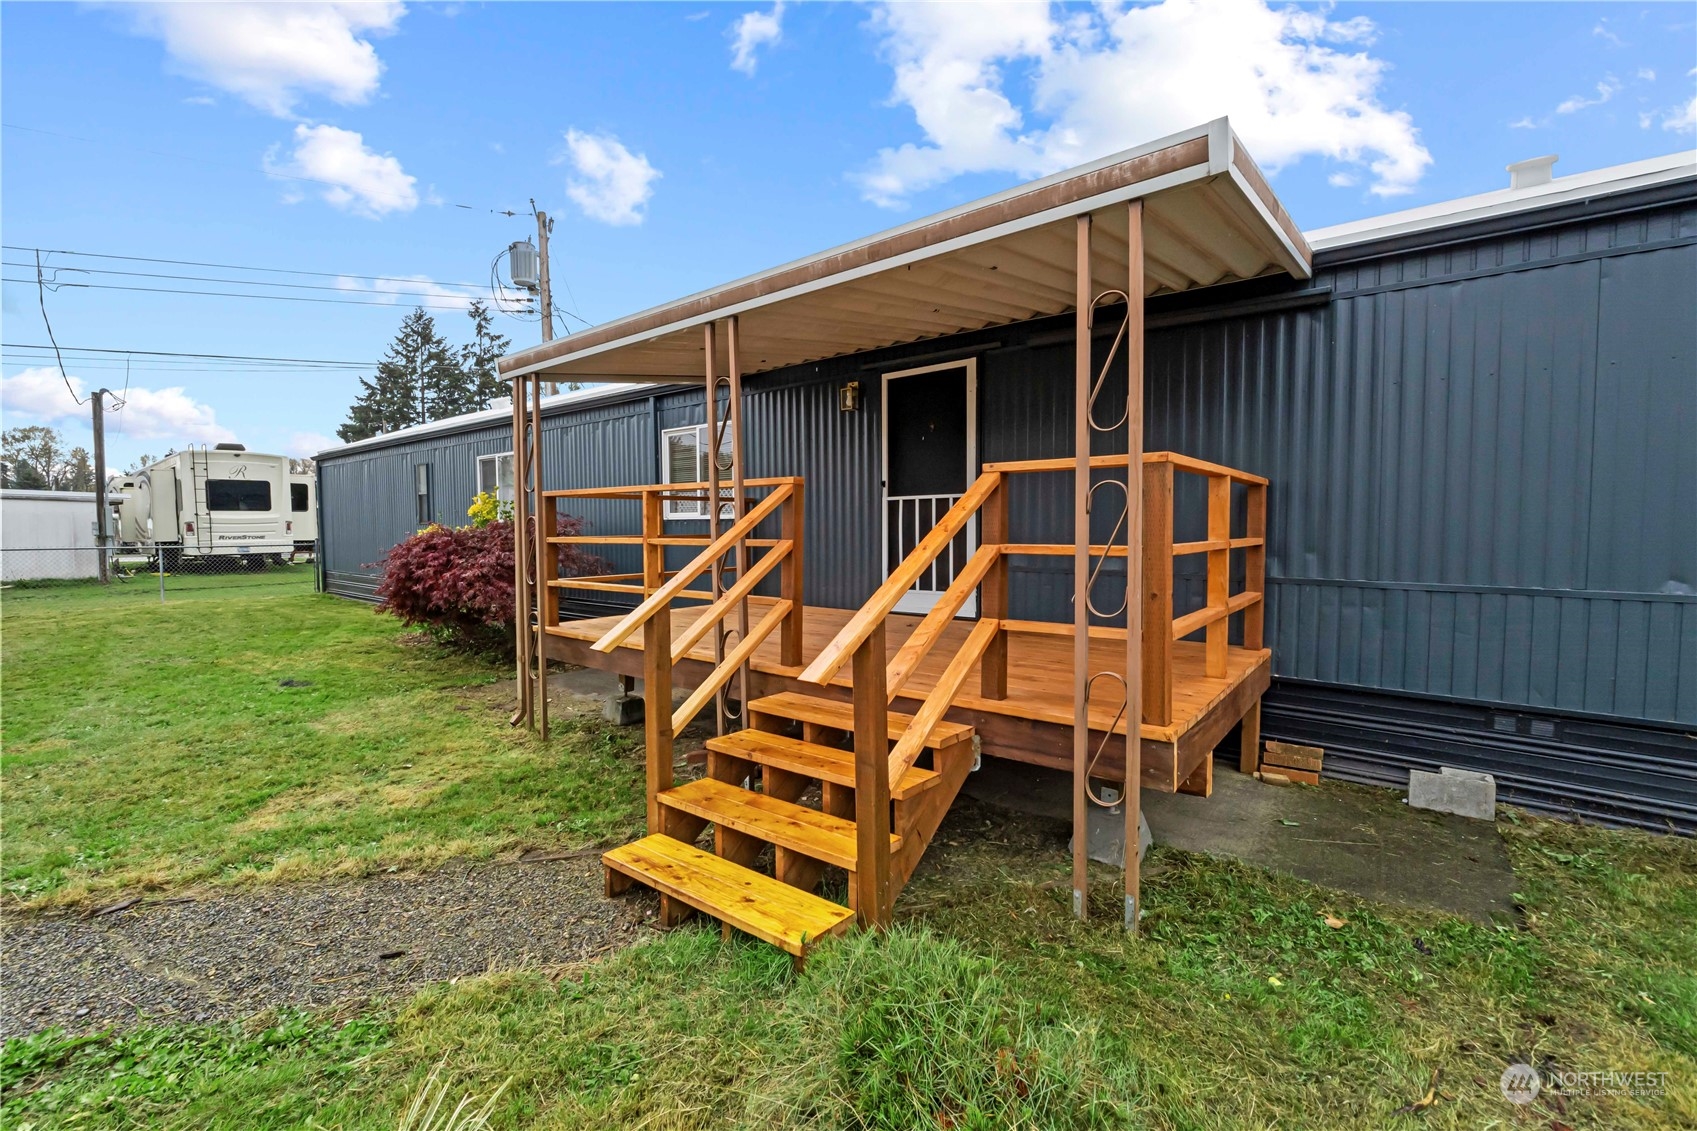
457, 582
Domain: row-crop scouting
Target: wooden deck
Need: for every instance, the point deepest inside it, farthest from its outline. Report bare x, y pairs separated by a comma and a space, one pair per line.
1033, 724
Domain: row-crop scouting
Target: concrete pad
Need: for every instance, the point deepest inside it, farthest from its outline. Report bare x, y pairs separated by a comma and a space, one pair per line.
1356, 838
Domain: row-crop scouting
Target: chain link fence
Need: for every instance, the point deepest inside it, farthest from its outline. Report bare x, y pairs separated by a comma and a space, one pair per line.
159, 573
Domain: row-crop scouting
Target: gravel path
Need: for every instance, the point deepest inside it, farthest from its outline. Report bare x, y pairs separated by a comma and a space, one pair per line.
228, 956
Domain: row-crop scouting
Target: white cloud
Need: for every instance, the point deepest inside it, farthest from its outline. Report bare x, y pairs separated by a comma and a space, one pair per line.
1681, 119
752, 31
40, 394
413, 290
1525, 123
357, 179
1646, 74
1108, 78
1602, 32
305, 445
274, 54
610, 183
1607, 89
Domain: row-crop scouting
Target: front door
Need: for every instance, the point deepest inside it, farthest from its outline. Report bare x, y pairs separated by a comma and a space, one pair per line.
930, 457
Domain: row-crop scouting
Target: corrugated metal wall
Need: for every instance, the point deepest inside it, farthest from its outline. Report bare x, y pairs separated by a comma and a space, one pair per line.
1484, 485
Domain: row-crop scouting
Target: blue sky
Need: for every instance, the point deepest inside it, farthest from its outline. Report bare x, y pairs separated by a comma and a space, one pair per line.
680, 145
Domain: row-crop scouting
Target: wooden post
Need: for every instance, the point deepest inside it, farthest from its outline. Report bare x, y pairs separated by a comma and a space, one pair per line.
793, 525
716, 574
739, 500
993, 531
1254, 621
549, 593
1158, 593
1081, 576
1133, 576
540, 545
871, 893
521, 560
1219, 572
653, 554
657, 707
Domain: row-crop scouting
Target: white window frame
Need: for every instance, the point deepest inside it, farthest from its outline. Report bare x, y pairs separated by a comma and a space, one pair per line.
689, 509
496, 459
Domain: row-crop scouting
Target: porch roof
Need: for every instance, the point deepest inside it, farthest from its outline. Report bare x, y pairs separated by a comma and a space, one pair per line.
1209, 217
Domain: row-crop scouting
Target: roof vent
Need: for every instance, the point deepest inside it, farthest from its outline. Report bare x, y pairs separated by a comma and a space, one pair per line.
229, 447
1532, 172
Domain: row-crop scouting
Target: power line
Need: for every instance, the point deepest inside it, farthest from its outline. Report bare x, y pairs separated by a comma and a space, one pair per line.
183, 353
233, 266
235, 294
41, 295
247, 282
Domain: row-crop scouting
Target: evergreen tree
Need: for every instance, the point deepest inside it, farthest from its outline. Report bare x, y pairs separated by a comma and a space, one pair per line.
420, 367
79, 471
482, 384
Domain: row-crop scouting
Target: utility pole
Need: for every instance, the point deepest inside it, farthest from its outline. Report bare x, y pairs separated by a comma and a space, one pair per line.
99, 403
543, 227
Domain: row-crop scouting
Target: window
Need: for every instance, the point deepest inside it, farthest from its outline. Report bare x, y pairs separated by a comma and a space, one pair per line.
299, 498
683, 459
421, 489
495, 476
238, 495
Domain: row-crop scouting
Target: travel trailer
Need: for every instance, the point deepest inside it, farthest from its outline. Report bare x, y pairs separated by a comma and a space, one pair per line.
218, 504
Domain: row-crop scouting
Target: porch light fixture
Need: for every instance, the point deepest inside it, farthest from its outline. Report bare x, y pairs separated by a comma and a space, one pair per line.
848, 397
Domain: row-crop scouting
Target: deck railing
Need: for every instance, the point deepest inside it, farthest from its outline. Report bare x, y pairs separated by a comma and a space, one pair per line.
660, 587
877, 682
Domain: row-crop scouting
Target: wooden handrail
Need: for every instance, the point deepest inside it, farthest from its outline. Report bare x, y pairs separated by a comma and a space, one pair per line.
923, 638
901, 579
941, 697
642, 490
719, 609
734, 659
1183, 462
663, 596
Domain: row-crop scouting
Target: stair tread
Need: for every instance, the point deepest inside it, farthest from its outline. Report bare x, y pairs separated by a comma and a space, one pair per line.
832, 713
768, 909
825, 763
808, 831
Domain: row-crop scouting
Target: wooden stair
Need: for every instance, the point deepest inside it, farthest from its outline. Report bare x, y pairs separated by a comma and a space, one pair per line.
765, 787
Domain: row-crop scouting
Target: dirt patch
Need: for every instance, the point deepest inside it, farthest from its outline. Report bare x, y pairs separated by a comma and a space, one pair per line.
228, 957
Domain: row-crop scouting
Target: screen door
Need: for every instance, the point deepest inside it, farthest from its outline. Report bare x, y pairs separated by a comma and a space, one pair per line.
930, 453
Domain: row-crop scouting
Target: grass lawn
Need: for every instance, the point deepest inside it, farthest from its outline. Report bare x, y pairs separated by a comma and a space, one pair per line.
261, 731
988, 1007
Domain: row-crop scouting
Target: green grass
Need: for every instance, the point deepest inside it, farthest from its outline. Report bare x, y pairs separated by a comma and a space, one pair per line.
988, 1006
250, 733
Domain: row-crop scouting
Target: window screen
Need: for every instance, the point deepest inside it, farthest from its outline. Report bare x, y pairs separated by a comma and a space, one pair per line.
421, 489
299, 500
683, 457
495, 476
238, 495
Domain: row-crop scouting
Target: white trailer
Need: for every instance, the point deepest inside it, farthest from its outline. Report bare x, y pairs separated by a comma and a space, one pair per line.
221, 503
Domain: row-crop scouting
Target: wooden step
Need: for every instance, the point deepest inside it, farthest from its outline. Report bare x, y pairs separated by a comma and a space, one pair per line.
796, 827
832, 713
782, 915
809, 759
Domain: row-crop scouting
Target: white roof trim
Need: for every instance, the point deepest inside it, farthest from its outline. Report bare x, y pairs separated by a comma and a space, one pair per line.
1559, 190
469, 420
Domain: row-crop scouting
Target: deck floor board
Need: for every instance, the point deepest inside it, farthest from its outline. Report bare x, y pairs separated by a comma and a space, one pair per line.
1039, 667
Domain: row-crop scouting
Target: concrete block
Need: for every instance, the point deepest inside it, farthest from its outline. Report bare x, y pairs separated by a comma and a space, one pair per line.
1106, 830
1465, 793
623, 710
